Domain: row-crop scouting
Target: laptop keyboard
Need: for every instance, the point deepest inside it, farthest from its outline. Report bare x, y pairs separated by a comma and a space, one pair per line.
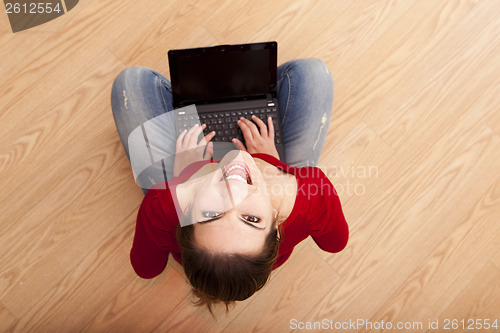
224, 123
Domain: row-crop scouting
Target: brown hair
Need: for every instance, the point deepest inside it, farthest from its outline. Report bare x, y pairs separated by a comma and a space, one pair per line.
225, 277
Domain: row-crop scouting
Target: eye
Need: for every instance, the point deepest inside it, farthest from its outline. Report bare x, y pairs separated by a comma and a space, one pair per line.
210, 214
252, 218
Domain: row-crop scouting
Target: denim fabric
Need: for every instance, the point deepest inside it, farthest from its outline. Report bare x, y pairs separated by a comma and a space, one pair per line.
304, 92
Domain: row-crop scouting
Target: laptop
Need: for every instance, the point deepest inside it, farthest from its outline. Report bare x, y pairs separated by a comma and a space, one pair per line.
226, 82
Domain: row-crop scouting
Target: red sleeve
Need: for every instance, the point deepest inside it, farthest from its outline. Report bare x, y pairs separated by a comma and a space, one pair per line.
328, 227
153, 239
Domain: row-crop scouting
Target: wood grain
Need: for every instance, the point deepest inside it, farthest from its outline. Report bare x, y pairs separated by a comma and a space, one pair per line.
479, 299
7, 320
140, 306
237, 21
168, 27
417, 95
496, 259
410, 232
85, 288
452, 262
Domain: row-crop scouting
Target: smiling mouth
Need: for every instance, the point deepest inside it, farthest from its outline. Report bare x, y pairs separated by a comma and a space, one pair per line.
237, 171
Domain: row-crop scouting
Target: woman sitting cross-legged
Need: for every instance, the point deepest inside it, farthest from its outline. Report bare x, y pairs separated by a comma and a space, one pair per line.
230, 222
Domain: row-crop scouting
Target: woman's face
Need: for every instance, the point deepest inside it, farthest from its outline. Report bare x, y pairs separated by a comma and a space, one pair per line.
231, 209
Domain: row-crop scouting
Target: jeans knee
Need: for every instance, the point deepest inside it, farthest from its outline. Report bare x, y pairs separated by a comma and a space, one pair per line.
320, 71
126, 84
311, 70
131, 74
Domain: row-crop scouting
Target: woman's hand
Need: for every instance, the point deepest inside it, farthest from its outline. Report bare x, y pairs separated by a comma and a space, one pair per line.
258, 140
189, 150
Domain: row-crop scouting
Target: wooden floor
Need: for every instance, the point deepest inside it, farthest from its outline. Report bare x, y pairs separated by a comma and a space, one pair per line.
413, 148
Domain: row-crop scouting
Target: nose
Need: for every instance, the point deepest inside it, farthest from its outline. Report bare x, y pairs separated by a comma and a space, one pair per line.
237, 192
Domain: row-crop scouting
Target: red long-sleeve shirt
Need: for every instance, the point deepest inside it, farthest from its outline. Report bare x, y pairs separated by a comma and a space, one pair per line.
317, 212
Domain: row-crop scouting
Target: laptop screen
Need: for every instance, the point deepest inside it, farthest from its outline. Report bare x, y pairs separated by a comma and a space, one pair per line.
223, 73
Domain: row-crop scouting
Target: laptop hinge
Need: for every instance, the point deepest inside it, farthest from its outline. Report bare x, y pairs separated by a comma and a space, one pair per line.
270, 101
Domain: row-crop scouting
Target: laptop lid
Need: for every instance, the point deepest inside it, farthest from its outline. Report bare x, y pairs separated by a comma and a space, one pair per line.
223, 73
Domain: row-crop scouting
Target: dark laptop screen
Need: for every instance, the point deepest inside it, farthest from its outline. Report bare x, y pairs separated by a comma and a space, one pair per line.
223, 73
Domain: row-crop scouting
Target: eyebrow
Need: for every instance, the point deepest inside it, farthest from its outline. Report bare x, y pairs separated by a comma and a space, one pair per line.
222, 215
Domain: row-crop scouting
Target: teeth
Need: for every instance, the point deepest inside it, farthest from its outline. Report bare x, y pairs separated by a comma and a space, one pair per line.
236, 167
237, 177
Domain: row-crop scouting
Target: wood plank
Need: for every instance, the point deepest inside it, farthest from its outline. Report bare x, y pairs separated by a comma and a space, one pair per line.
5, 29
15, 48
406, 47
69, 199
168, 27
157, 58
399, 236
142, 304
7, 320
353, 28
43, 256
353, 160
496, 259
416, 152
353, 165
301, 18
87, 288
438, 84
33, 145
492, 99
31, 137
479, 300
454, 262
43, 70
236, 21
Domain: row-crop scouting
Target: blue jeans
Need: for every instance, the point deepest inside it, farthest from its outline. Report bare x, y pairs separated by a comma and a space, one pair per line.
304, 92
